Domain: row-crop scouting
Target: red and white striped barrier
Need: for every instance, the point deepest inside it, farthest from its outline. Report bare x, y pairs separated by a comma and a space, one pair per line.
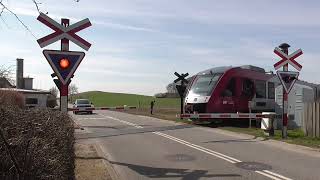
101, 108
225, 115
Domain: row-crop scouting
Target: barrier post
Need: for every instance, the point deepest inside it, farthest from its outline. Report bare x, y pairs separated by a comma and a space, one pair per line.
249, 105
271, 131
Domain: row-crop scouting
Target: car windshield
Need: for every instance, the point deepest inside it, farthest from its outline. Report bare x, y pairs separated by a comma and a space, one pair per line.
82, 101
204, 84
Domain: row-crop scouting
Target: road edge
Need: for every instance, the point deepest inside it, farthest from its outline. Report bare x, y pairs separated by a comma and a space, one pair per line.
110, 168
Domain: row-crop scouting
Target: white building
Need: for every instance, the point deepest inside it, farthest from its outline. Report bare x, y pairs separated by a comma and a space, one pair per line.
302, 92
24, 85
33, 98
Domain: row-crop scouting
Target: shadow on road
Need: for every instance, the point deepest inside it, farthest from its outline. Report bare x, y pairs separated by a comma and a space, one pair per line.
184, 174
241, 123
130, 131
153, 172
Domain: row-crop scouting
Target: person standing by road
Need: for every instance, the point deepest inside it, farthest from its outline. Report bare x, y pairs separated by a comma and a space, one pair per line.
151, 106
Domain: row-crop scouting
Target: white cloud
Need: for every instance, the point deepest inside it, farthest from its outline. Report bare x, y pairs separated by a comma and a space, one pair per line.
123, 26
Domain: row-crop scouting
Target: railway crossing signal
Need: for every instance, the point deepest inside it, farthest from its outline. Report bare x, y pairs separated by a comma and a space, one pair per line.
64, 62
287, 79
288, 59
182, 87
181, 77
58, 82
63, 32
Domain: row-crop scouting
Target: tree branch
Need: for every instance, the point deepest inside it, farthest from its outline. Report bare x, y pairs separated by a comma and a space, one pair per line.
4, 7
6, 72
36, 4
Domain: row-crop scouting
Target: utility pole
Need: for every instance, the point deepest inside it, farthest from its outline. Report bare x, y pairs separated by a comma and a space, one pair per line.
64, 87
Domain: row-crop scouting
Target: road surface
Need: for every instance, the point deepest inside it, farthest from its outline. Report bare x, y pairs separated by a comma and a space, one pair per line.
142, 147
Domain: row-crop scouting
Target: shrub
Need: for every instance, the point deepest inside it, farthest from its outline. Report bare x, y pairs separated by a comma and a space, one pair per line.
160, 95
51, 101
41, 141
11, 98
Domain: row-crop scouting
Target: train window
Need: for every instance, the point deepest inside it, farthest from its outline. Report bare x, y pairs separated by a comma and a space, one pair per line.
260, 89
247, 88
271, 90
204, 85
231, 88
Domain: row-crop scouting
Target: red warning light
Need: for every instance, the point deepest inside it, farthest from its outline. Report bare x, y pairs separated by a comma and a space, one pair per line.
64, 63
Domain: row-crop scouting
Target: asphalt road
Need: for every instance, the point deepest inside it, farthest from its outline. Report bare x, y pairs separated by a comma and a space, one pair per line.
142, 147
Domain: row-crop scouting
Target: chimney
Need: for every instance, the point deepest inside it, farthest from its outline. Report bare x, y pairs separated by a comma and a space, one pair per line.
19, 74
28, 83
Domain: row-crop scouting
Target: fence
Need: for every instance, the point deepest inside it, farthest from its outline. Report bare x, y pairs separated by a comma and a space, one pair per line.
311, 119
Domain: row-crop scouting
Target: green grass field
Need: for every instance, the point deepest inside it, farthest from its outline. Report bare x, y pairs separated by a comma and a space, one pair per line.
100, 99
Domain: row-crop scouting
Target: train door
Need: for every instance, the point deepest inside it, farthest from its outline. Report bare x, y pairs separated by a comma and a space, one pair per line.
246, 94
228, 97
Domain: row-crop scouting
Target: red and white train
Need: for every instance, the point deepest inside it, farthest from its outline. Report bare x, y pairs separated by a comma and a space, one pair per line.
229, 90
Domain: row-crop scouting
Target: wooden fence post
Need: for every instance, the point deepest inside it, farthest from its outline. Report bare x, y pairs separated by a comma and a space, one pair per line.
317, 113
309, 119
314, 120
304, 119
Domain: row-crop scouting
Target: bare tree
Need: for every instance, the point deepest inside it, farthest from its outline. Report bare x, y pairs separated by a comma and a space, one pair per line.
54, 91
6, 73
73, 90
52, 97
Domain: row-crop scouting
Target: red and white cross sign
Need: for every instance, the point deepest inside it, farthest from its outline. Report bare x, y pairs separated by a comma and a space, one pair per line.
288, 59
62, 32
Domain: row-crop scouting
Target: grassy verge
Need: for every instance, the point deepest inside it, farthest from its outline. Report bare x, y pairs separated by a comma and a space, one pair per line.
161, 113
294, 136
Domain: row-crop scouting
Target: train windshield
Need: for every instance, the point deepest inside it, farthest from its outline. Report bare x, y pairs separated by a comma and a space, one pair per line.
204, 84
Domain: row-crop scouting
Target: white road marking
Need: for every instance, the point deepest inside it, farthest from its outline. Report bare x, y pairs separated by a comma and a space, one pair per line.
267, 175
232, 160
278, 175
125, 122
208, 151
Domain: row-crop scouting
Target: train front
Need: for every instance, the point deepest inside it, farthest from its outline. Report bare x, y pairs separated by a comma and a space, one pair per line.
201, 89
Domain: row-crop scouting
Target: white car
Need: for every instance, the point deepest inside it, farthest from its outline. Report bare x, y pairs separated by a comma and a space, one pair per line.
83, 103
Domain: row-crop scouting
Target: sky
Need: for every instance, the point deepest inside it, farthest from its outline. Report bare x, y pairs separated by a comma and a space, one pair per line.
137, 45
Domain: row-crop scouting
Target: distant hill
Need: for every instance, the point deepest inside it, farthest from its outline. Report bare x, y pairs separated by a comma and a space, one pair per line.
99, 99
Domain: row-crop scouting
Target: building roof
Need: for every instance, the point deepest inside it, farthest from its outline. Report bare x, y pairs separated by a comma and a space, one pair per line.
4, 83
26, 91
